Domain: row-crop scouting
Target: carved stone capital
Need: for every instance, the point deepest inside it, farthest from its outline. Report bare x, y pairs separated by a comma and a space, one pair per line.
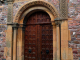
15, 25
53, 23
58, 22
10, 1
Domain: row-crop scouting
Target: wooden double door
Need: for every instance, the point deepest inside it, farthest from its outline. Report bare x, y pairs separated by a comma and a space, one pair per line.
38, 37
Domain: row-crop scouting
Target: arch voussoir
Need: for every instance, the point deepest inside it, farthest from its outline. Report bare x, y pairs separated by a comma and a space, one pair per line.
35, 3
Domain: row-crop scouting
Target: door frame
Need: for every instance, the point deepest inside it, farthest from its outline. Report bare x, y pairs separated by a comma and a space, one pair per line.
38, 28
22, 23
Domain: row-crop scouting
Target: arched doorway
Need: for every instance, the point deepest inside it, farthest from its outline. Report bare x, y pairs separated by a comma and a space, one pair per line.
15, 34
38, 37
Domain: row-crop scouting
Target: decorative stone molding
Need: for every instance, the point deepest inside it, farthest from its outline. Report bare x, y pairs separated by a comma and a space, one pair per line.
15, 25
10, 0
10, 12
36, 3
63, 9
58, 22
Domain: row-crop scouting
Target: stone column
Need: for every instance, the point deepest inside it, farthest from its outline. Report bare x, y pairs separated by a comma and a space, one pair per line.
64, 40
58, 41
20, 43
65, 51
8, 48
15, 42
54, 43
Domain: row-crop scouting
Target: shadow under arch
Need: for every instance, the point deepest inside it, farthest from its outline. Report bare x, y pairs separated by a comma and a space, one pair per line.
32, 12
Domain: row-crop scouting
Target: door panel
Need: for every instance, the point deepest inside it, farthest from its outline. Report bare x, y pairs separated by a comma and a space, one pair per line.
46, 42
31, 42
38, 37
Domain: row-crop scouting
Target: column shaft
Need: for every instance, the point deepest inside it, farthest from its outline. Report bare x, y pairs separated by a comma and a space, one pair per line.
15, 44
58, 42
54, 43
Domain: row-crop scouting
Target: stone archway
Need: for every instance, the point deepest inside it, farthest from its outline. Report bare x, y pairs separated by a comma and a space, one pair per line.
26, 10
60, 48
32, 4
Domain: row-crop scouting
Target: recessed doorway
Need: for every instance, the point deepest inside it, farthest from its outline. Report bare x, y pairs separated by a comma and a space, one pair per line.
38, 44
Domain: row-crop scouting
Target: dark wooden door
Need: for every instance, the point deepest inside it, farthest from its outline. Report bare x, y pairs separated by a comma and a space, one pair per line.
38, 37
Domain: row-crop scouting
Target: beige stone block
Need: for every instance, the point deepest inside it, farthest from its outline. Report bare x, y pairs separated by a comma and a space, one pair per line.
69, 35
9, 53
9, 42
15, 44
8, 58
19, 58
5, 51
64, 34
70, 54
64, 53
64, 25
19, 44
19, 51
54, 36
70, 19
64, 43
58, 41
9, 33
64, 40
54, 43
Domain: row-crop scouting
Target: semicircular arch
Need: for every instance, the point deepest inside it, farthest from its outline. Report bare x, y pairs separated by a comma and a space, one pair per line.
31, 4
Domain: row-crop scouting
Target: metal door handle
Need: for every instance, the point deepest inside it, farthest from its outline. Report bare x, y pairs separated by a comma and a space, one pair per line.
47, 51
29, 50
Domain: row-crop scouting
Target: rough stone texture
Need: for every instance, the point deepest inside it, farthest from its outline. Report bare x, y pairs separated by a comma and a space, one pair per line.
2, 41
17, 5
73, 17
3, 14
3, 27
74, 26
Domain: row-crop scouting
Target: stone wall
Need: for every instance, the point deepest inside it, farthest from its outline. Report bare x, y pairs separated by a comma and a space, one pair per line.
3, 27
74, 27
73, 21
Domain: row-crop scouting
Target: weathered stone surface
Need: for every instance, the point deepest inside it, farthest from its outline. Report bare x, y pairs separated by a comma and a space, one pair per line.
3, 19
73, 23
